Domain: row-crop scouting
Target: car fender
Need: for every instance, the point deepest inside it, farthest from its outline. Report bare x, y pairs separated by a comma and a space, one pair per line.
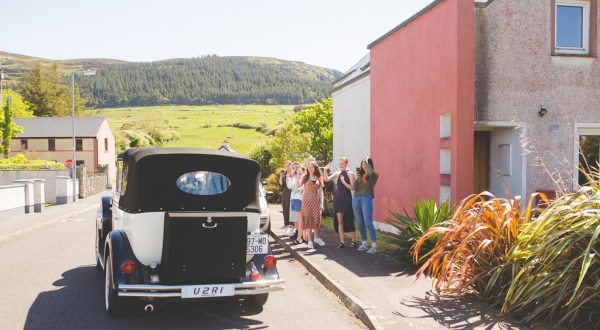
258, 262
105, 216
118, 247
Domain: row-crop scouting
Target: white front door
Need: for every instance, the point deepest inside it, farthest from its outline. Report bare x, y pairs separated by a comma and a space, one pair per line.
506, 162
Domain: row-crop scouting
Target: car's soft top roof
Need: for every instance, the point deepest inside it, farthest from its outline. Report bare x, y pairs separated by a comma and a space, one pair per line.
133, 155
152, 175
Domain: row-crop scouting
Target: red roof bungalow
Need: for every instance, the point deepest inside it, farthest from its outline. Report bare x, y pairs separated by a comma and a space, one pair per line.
463, 92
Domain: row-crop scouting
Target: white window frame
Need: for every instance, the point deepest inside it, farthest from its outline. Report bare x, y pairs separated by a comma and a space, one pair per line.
581, 129
585, 33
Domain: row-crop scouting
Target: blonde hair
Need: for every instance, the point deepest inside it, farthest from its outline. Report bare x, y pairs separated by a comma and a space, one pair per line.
344, 159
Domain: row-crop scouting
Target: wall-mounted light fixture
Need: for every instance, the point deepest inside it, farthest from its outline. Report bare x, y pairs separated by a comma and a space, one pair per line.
542, 111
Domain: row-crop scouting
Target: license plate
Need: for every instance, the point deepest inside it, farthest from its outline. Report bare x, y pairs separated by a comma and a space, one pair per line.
257, 244
206, 291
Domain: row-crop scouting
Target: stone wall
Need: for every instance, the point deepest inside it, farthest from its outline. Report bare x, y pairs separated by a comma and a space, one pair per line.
91, 184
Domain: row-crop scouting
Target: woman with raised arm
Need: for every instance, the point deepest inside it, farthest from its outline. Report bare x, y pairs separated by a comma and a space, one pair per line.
293, 183
343, 220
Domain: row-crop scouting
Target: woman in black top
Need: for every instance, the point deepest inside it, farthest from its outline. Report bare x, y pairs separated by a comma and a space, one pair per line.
343, 221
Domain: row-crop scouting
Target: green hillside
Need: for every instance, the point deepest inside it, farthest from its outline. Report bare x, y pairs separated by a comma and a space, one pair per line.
196, 81
206, 126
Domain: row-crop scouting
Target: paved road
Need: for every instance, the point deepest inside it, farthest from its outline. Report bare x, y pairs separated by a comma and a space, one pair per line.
48, 280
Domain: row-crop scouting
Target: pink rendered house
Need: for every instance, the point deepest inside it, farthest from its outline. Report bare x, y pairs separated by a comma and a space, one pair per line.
463, 91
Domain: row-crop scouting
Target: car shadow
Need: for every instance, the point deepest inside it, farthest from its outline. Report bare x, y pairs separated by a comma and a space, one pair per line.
78, 302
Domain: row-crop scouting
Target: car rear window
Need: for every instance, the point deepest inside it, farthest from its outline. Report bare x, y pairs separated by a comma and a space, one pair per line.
203, 183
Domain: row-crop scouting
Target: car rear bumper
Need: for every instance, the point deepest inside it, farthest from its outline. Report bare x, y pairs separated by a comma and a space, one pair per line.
175, 291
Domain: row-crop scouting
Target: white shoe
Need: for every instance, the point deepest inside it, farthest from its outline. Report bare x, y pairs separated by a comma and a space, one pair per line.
363, 247
310, 245
319, 241
372, 250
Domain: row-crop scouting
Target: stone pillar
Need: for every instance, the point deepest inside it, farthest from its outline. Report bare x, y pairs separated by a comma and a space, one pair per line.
38, 195
28, 194
82, 176
64, 190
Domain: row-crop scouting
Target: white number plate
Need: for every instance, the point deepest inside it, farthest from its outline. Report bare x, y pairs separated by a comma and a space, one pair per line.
257, 244
205, 291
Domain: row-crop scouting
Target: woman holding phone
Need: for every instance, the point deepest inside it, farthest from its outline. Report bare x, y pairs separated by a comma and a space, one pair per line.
362, 203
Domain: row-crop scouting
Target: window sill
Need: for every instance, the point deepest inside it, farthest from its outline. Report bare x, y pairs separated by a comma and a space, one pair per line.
573, 55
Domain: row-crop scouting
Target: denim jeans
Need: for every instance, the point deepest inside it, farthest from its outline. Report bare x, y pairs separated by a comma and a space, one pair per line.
363, 210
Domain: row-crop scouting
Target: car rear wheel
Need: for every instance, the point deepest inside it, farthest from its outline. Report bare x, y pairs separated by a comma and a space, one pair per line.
256, 300
115, 305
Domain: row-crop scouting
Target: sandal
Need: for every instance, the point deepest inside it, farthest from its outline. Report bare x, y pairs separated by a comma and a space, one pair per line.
353, 244
341, 246
295, 242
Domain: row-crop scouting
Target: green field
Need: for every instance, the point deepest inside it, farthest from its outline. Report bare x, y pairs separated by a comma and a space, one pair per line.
206, 126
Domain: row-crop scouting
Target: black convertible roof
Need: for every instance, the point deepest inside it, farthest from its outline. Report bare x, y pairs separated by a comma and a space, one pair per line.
152, 174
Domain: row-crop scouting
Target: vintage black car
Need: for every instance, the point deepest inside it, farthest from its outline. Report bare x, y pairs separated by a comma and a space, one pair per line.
183, 225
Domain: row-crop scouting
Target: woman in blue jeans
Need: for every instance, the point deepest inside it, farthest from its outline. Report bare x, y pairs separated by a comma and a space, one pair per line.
362, 203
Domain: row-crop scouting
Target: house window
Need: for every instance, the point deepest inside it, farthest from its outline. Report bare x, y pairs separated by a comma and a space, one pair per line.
51, 144
24, 145
105, 144
78, 144
572, 27
589, 154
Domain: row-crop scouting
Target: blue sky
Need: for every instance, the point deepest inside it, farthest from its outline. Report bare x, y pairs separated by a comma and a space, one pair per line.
328, 33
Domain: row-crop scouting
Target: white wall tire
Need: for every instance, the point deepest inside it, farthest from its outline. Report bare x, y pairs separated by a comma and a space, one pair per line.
115, 305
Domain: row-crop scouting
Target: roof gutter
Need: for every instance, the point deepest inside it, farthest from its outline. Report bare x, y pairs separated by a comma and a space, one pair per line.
358, 77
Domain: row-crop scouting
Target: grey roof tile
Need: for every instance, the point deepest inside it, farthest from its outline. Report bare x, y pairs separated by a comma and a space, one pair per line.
59, 127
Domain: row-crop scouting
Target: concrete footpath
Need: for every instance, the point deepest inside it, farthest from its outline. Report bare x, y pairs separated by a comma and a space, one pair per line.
20, 225
381, 293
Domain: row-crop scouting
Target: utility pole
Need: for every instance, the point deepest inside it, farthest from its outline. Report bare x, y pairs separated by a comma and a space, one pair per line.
74, 160
2, 75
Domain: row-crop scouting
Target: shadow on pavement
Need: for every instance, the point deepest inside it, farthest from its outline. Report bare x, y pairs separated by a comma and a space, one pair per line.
78, 302
358, 262
457, 312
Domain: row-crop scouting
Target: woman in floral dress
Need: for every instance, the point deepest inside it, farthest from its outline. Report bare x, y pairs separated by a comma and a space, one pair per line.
312, 204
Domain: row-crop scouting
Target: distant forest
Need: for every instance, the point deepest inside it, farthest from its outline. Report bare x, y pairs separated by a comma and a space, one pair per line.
207, 80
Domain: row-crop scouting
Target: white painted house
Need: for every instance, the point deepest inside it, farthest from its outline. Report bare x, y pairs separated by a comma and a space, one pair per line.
351, 96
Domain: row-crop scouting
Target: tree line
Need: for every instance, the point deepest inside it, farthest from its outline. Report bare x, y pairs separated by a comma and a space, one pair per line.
206, 80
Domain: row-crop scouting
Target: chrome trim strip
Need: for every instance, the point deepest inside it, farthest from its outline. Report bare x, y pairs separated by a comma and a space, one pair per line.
196, 214
149, 295
168, 291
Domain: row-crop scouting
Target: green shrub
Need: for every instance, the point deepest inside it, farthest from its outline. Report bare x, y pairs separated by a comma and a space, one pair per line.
273, 186
410, 229
20, 162
555, 265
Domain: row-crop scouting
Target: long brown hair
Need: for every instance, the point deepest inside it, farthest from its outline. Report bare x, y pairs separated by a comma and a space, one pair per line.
317, 173
362, 171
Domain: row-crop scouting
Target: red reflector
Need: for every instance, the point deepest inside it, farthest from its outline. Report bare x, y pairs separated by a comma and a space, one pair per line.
254, 277
269, 262
128, 267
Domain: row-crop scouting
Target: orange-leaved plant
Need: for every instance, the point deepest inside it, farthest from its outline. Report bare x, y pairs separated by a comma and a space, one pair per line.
473, 243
